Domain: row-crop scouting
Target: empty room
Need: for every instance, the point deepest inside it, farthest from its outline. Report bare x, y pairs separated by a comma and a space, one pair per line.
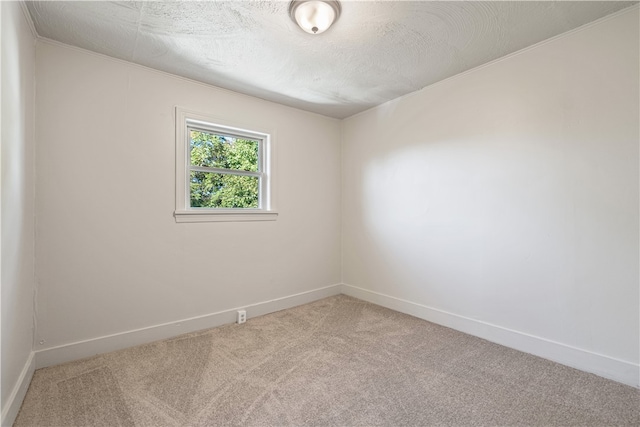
318, 212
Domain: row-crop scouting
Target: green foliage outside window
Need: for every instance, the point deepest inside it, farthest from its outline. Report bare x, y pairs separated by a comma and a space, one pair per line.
215, 189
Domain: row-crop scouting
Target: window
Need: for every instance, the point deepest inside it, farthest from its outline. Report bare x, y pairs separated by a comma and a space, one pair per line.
222, 172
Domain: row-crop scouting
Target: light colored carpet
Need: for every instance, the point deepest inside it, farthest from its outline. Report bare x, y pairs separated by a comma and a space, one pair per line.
336, 362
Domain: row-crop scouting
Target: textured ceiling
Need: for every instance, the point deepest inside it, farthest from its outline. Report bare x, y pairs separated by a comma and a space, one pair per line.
375, 52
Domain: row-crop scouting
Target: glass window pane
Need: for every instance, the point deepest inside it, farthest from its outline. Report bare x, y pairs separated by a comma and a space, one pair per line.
216, 150
218, 190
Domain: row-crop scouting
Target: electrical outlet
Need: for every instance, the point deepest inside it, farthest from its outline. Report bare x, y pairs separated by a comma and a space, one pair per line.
242, 316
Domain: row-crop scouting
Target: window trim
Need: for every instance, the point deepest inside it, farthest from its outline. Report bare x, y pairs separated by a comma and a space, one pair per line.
185, 120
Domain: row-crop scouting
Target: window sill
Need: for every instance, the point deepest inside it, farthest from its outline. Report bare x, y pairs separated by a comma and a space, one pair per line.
224, 216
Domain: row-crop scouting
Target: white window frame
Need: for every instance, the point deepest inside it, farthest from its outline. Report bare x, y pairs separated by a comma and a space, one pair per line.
185, 120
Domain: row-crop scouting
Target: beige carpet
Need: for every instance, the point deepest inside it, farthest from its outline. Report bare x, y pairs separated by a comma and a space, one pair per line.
337, 362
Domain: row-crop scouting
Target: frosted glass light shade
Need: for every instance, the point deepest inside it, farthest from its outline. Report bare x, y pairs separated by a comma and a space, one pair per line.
314, 16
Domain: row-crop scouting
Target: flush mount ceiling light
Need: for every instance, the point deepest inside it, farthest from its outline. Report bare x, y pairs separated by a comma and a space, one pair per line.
314, 16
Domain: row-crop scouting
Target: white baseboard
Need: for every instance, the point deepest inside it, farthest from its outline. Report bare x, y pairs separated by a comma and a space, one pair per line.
608, 367
604, 366
11, 408
81, 349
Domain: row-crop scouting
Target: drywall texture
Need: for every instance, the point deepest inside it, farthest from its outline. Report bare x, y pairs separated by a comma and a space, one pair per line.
110, 256
509, 194
375, 52
17, 230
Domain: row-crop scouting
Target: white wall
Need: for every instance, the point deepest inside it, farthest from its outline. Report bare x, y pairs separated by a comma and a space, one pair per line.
17, 190
110, 257
504, 201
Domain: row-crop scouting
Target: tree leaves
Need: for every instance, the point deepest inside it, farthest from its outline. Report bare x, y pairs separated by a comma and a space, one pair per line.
223, 190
